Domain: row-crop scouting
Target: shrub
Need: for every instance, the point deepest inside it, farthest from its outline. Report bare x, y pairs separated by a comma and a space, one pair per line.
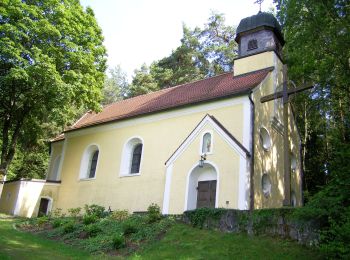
129, 228
57, 223
118, 241
92, 230
199, 216
153, 213
69, 227
57, 213
89, 219
74, 212
42, 220
95, 210
120, 215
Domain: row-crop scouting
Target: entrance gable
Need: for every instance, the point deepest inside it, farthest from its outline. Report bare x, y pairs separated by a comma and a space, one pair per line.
209, 120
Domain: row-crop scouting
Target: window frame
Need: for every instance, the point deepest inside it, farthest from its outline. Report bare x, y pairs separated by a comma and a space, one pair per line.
127, 156
86, 160
202, 142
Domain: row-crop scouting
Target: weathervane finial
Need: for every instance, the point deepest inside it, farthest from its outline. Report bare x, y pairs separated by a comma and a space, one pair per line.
259, 2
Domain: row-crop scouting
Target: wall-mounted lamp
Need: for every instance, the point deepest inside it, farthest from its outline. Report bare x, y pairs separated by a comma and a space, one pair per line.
201, 161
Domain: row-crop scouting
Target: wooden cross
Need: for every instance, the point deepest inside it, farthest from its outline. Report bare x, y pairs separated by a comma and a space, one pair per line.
284, 94
259, 2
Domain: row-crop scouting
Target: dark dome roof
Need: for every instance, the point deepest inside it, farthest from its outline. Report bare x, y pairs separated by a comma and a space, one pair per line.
260, 20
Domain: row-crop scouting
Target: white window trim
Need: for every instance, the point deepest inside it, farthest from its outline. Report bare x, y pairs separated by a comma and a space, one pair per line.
261, 141
212, 142
84, 163
125, 165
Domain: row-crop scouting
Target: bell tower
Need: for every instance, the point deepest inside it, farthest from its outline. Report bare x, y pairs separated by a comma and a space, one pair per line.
255, 35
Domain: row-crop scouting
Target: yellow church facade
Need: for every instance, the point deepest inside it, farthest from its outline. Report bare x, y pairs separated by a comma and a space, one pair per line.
209, 143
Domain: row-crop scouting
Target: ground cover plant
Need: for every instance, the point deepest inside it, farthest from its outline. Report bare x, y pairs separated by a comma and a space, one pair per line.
137, 240
98, 231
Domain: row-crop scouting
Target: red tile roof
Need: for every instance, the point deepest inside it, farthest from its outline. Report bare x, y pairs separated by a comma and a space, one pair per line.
203, 90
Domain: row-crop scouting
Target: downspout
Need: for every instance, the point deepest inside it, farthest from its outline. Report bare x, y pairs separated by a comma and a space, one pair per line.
252, 125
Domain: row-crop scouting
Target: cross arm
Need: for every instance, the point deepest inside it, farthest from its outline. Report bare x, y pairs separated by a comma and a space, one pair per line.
279, 94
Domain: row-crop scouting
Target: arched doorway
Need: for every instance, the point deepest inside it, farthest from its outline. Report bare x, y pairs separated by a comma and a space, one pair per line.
202, 187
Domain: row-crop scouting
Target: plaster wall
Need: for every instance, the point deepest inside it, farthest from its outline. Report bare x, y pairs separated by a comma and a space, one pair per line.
269, 115
161, 135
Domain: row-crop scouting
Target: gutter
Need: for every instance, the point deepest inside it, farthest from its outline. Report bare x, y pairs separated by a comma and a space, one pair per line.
252, 126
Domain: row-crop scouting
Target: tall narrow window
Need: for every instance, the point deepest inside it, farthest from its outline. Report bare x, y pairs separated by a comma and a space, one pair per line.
89, 162
206, 143
132, 157
136, 159
93, 164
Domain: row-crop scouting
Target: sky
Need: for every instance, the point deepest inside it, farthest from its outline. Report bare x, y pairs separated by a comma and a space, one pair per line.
142, 31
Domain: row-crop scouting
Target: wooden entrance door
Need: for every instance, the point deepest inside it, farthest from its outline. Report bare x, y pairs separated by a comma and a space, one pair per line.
206, 194
44, 204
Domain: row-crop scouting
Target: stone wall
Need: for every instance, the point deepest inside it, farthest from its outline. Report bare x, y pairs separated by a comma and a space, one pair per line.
273, 222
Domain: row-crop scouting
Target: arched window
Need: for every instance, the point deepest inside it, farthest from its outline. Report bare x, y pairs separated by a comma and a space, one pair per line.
136, 159
93, 164
132, 157
89, 162
206, 143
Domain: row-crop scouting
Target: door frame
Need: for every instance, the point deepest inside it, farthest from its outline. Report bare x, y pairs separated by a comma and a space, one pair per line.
217, 183
49, 205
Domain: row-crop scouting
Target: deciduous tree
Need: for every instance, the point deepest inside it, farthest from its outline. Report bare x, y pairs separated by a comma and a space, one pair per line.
52, 61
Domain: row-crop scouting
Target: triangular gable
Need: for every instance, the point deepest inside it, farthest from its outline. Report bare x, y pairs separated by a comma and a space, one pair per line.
220, 130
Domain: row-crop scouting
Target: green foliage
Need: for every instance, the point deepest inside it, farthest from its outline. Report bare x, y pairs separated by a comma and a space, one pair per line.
116, 86
142, 82
92, 230
198, 217
94, 210
57, 213
42, 220
74, 212
119, 215
69, 227
129, 227
89, 219
153, 213
57, 223
317, 52
118, 241
52, 64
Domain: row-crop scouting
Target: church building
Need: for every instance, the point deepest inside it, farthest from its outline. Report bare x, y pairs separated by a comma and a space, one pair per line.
208, 143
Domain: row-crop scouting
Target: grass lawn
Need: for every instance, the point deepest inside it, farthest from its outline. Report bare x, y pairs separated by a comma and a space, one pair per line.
184, 242
15, 244
181, 242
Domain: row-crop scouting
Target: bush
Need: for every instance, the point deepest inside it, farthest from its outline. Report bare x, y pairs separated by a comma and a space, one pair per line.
153, 213
57, 213
92, 230
118, 241
69, 227
199, 216
74, 212
129, 228
89, 219
42, 220
95, 210
120, 215
57, 223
